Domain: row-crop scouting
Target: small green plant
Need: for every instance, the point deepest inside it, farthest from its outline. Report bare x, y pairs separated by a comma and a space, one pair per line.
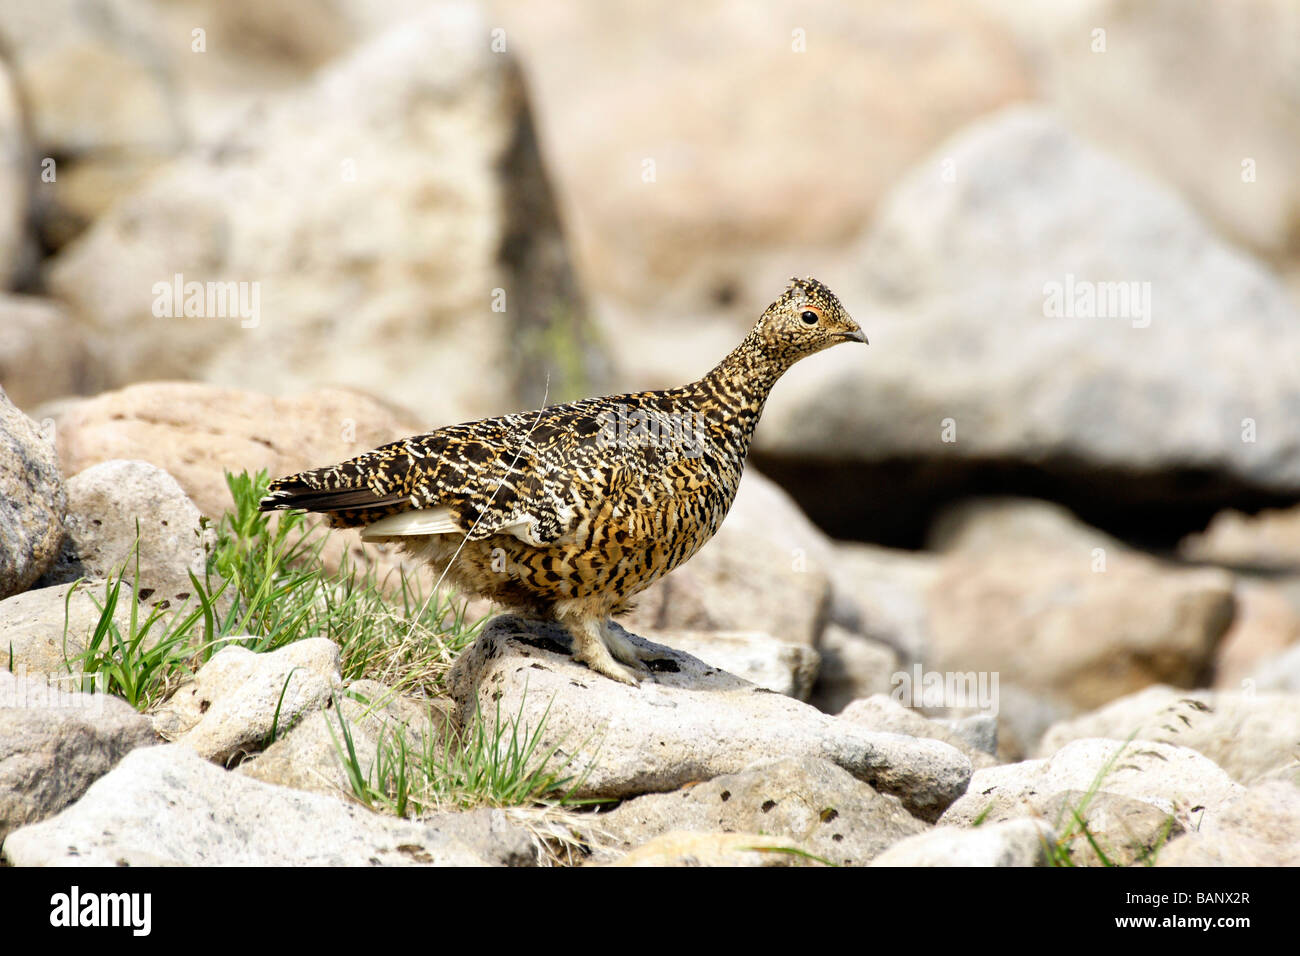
267, 585
497, 763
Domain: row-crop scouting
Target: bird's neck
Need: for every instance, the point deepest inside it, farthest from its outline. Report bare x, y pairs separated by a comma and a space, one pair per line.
738, 387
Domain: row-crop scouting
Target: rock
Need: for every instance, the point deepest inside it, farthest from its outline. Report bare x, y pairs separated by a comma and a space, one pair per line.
1176, 782
401, 181
1061, 624
112, 503
806, 800
1249, 735
1154, 387
884, 714
308, 757
765, 570
54, 743
1257, 829
716, 849
852, 666
238, 700
731, 197
1269, 540
1238, 87
166, 806
759, 658
1265, 624
1010, 843
43, 632
688, 722
31, 501
44, 354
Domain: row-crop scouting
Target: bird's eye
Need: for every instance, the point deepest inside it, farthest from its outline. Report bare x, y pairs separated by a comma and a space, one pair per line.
809, 317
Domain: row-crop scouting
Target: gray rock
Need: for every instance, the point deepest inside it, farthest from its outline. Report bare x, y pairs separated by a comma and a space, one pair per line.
759, 658
989, 525
108, 504
54, 743
852, 666
308, 757
687, 722
167, 806
1249, 735
238, 699
1259, 828
1010, 843
1143, 392
813, 803
884, 714
1175, 781
31, 501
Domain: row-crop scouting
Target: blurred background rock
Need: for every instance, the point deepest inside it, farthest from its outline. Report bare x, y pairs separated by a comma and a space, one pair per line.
458, 209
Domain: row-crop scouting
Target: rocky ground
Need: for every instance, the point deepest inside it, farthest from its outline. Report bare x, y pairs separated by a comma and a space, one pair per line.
1090, 522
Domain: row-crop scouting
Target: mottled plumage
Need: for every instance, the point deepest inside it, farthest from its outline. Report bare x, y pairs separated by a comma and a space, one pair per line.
569, 511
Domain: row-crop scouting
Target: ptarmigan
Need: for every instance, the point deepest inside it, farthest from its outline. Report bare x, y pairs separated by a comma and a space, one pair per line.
569, 511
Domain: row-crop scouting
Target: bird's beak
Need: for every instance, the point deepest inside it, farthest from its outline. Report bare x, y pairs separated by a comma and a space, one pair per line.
856, 336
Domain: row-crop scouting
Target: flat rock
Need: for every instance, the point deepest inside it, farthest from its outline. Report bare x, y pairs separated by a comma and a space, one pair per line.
113, 503
167, 806
32, 501
239, 698
687, 722
1009, 843
1249, 735
1175, 781
809, 801
54, 743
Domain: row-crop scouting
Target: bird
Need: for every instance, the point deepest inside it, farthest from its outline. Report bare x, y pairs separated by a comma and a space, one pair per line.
569, 511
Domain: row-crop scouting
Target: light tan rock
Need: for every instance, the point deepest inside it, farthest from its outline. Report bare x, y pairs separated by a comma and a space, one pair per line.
1259, 828
717, 849
1010, 843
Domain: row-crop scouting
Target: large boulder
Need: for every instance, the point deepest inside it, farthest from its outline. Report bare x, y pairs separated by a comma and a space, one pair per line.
1019, 338
685, 722
387, 225
32, 501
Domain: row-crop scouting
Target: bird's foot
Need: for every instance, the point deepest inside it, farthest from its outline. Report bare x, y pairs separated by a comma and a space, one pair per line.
607, 651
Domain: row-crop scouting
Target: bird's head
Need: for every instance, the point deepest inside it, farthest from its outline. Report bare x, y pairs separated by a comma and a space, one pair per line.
804, 320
